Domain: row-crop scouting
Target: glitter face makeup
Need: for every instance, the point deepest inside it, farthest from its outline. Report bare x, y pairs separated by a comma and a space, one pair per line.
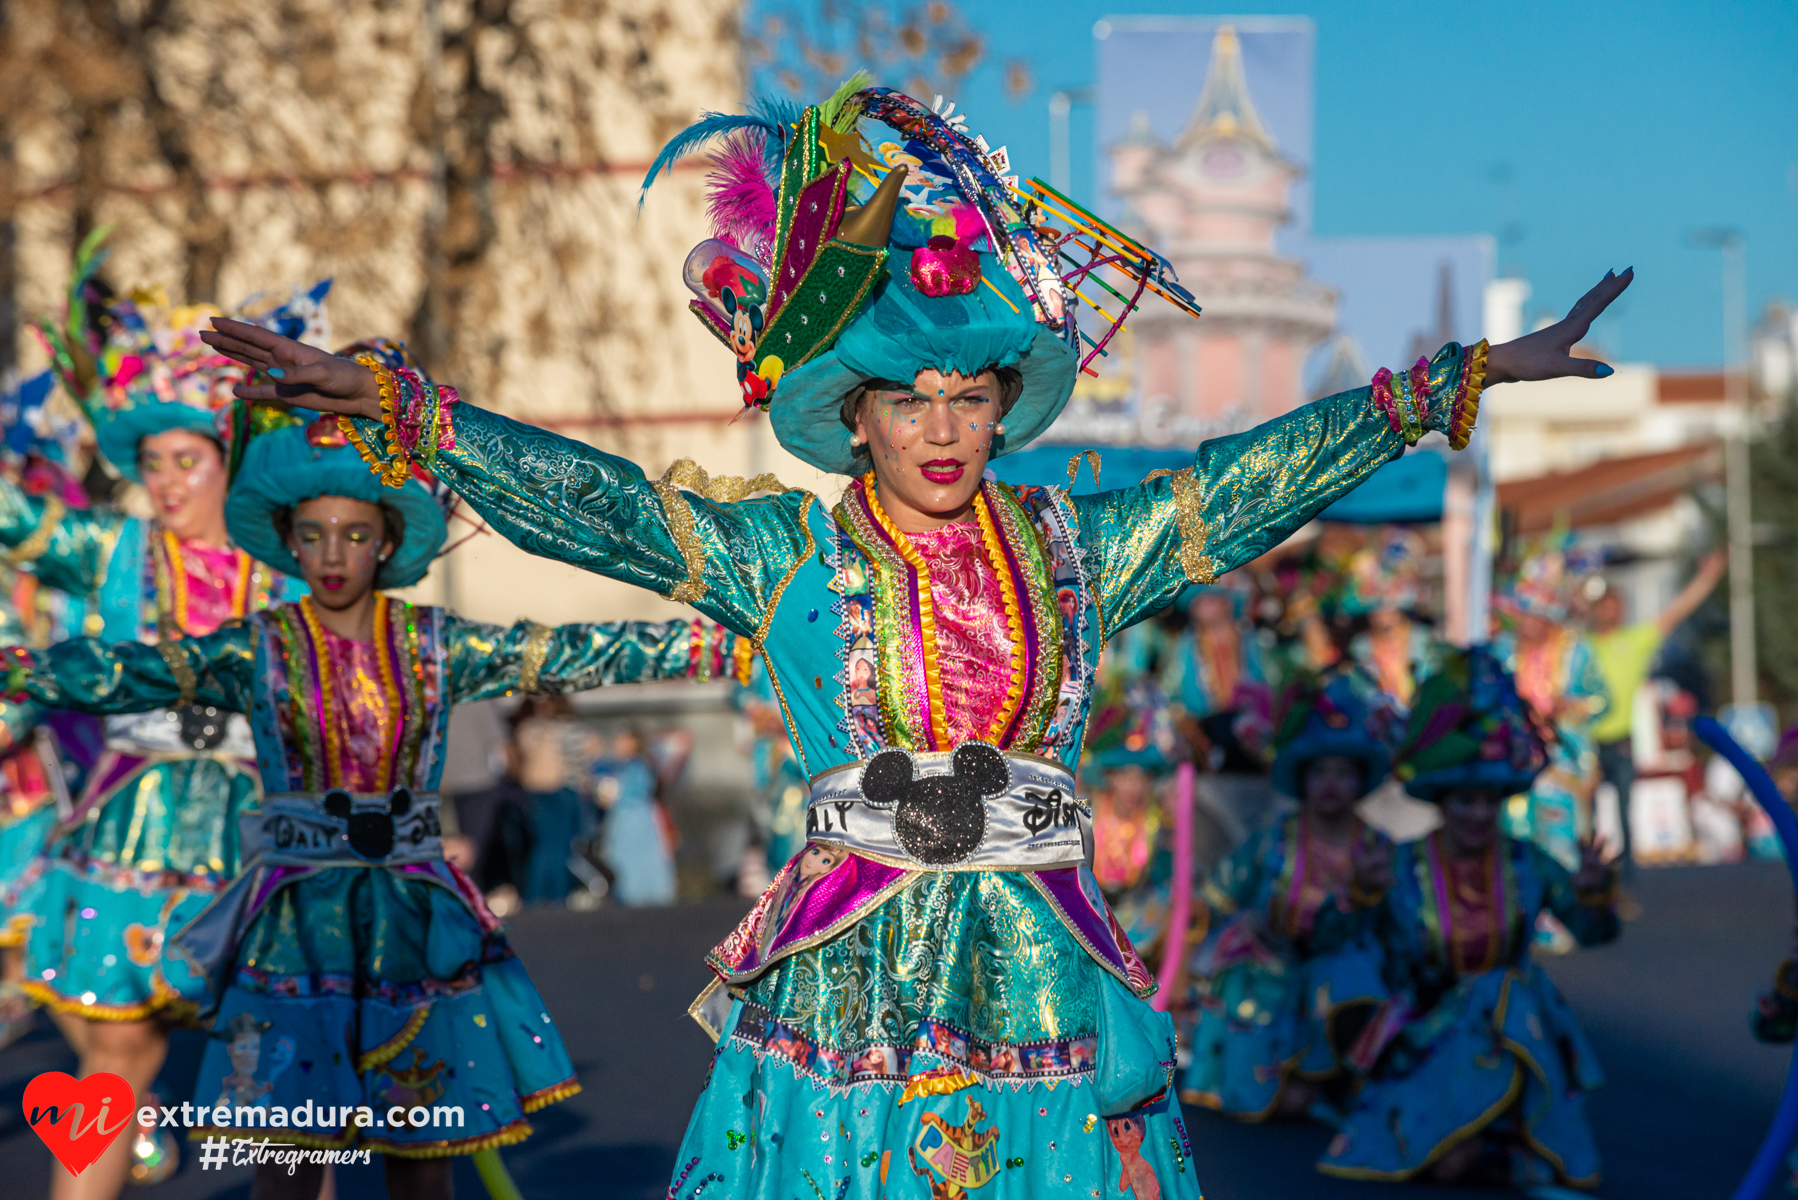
931, 445
184, 472
341, 544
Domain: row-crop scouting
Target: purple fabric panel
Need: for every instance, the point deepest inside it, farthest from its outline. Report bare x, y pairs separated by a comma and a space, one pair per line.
1062, 886
840, 895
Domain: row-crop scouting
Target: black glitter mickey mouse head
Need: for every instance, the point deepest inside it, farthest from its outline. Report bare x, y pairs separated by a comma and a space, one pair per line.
939, 819
370, 833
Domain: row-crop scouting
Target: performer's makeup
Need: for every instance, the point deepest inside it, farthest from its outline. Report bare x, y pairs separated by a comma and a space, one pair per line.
931, 445
341, 544
184, 472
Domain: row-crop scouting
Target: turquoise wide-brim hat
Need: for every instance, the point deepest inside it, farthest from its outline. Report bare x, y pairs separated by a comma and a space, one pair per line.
1499, 775
283, 468
900, 332
1321, 741
118, 434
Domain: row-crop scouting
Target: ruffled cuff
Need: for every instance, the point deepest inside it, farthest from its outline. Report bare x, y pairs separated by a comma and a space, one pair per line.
416, 422
1440, 394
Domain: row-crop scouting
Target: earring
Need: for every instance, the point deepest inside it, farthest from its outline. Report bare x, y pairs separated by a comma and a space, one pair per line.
999, 428
856, 439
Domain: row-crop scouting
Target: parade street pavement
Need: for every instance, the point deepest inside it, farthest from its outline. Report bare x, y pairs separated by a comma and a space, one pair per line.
1689, 1096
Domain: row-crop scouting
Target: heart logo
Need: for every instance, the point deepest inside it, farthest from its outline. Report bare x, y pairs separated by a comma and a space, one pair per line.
78, 1118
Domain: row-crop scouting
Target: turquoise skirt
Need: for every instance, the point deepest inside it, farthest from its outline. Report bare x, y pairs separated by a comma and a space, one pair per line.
22, 839
1265, 1020
152, 841
956, 1037
384, 989
1500, 1056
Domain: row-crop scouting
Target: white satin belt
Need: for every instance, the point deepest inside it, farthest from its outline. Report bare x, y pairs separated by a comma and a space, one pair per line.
295, 829
1034, 824
159, 732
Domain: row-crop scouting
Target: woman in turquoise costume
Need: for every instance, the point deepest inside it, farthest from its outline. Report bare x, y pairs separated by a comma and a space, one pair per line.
1557, 675
894, 1010
346, 928
154, 832
33, 782
1130, 752
1282, 990
1382, 584
1487, 1079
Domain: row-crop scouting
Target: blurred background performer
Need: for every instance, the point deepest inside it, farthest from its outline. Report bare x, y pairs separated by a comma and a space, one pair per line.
961, 599
1277, 1009
1487, 1080
1557, 675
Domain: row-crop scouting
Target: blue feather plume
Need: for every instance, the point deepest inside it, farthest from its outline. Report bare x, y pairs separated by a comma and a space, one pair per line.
710, 125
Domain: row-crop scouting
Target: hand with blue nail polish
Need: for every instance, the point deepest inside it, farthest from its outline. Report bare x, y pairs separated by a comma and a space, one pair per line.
308, 377
1548, 353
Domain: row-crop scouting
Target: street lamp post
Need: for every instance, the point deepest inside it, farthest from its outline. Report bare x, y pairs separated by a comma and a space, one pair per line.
1743, 669
1061, 155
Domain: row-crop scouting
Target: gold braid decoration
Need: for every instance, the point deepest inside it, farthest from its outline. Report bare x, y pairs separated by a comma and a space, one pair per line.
33, 547
536, 651
1193, 559
684, 473
175, 655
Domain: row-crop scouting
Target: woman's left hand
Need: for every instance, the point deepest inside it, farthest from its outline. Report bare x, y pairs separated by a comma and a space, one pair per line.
1546, 353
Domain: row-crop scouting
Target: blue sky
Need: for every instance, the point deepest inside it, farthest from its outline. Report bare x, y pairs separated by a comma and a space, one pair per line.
1623, 125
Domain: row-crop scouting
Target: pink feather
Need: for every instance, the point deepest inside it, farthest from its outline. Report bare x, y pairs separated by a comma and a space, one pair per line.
740, 201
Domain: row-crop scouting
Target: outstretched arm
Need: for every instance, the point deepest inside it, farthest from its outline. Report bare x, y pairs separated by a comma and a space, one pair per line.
1709, 572
91, 676
67, 549
491, 660
551, 495
1247, 493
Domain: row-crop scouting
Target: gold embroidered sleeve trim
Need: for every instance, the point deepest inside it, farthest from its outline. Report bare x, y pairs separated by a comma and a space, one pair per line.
536, 652
33, 547
175, 655
1188, 516
685, 473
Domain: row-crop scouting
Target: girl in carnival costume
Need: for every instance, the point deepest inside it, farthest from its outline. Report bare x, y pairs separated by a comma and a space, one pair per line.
1383, 584
1130, 751
893, 1030
1488, 1077
1557, 675
346, 927
1291, 972
154, 832
1218, 656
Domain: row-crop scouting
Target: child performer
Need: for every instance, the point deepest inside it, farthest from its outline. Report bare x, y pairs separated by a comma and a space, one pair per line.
1280, 1001
345, 922
1488, 1078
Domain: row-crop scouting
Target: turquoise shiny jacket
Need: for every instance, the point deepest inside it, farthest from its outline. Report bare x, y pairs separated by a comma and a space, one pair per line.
817, 589
263, 666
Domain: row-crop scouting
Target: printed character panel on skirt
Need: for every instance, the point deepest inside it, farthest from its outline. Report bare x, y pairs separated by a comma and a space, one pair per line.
974, 808
1053, 1059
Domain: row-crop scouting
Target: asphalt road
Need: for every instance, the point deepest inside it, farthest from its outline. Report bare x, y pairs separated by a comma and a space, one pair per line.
1689, 1096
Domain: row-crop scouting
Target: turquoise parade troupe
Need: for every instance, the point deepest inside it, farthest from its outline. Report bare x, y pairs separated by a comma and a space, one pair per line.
386, 952
1491, 1061
920, 1004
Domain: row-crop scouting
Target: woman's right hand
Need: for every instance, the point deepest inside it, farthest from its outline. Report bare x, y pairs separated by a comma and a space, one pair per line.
306, 376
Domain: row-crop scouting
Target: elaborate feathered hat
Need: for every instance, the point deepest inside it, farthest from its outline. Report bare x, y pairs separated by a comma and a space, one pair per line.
871, 237
1470, 729
1131, 726
1550, 573
1385, 573
137, 365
